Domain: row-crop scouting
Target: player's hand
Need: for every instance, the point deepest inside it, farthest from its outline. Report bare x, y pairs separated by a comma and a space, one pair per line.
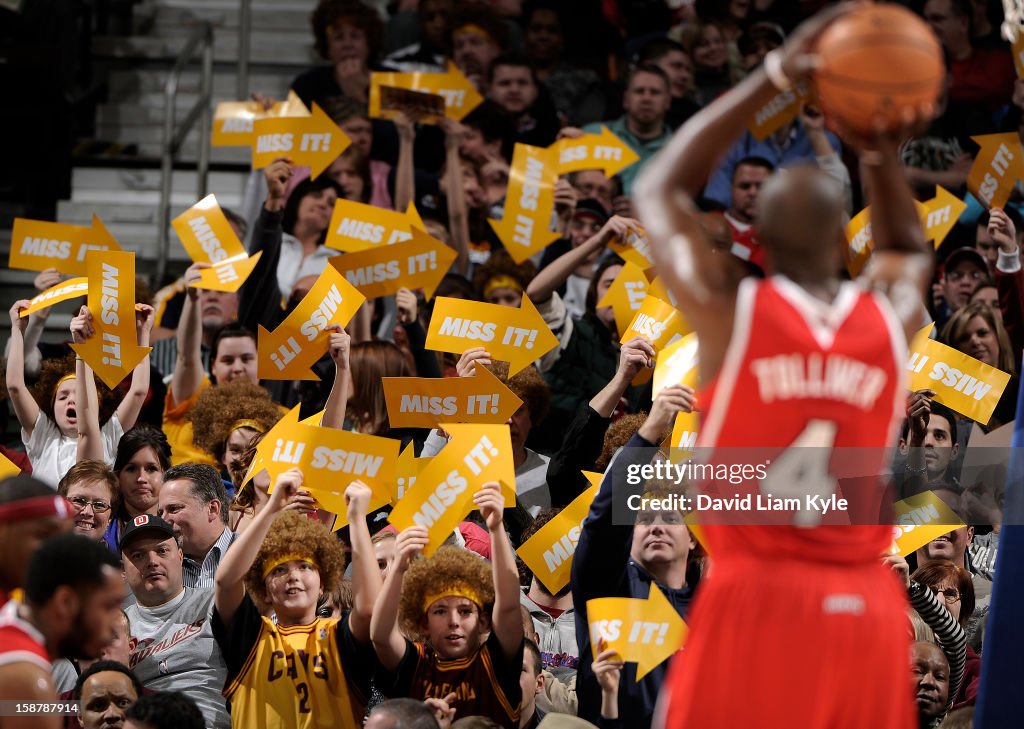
17, 320
193, 275
635, 355
410, 542
81, 326
899, 566
46, 279
407, 305
466, 366
607, 667
491, 503
1002, 230
338, 344
277, 174
443, 712
357, 498
919, 409
670, 401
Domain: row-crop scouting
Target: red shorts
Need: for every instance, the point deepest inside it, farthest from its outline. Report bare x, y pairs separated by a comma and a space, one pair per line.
778, 645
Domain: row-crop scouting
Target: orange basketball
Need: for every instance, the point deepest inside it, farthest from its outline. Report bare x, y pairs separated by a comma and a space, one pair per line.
877, 61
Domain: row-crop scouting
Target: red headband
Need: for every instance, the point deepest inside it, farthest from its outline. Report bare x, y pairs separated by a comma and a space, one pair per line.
34, 508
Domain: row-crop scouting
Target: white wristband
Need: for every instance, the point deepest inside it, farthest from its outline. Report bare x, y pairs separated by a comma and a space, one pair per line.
773, 68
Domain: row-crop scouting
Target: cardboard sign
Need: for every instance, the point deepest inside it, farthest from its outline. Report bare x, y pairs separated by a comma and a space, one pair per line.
208, 237
685, 431
289, 351
645, 632
311, 141
965, 384
549, 552
426, 402
517, 336
635, 249
37, 245
65, 290
460, 96
113, 350
525, 226
7, 468
356, 226
602, 151
920, 519
940, 215
996, 169
677, 364
626, 294
658, 321
419, 106
780, 110
443, 493
659, 290
233, 120
407, 471
419, 263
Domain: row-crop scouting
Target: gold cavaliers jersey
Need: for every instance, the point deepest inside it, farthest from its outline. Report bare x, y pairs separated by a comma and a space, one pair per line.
291, 677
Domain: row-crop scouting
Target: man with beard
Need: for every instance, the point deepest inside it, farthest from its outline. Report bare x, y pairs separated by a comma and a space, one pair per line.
73, 592
646, 102
172, 645
930, 679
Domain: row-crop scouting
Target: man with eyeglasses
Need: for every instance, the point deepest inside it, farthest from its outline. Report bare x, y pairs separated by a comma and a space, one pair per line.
964, 270
92, 490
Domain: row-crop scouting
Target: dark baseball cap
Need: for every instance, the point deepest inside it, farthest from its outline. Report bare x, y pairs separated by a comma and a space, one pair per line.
966, 253
143, 525
590, 206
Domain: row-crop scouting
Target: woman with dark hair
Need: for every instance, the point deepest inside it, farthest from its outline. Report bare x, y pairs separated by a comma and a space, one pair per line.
143, 454
302, 227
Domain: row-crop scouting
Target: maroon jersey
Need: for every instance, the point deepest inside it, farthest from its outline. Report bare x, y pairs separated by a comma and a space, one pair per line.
799, 372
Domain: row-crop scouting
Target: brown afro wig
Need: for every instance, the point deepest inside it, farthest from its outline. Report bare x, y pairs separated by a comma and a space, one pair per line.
448, 568
528, 386
218, 409
330, 13
617, 435
50, 373
501, 265
293, 533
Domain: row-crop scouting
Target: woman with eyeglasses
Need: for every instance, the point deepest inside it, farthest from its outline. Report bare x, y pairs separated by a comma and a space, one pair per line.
91, 488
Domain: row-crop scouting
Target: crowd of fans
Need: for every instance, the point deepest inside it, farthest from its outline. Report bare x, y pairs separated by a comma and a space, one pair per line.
244, 611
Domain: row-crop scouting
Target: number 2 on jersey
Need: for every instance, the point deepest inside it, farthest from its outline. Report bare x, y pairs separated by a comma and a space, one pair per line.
802, 470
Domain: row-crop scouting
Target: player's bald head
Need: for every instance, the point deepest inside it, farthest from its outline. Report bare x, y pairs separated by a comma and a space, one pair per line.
800, 209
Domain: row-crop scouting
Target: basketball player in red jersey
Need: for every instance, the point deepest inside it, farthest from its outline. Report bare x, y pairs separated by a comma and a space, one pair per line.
795, 626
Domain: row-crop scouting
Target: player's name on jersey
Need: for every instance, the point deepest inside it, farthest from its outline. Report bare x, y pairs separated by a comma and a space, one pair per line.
804, 376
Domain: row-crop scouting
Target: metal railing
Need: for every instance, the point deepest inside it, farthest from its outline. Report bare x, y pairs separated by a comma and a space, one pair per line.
244, 34
200, 41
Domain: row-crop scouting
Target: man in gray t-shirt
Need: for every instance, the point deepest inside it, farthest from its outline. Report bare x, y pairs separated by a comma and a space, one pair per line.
172, 645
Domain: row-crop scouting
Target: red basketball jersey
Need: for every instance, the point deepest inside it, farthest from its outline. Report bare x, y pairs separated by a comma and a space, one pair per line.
20, 642
801, 372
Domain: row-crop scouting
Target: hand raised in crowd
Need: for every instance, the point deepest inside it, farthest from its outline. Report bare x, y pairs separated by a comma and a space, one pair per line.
1002, 230
899, 566
338, 344
670, 401
18, 321
607, 667
622, 205
454, 132
618, 227
491, 503
405, 125
192, 275
407, 305
466, 366
444, 714
81, 326
565, 198
811, 119
46, 279
919, 409
570, 133
264, 101
357, 498
145, 316
635, 355
288, 494
277, 174
410, 542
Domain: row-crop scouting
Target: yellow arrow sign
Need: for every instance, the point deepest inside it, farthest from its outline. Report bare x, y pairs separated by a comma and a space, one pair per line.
426, 402
861, 241
233, 120
940, 214
443, 493
525, 226
38, 244
549, 552
419, 263
602, 151
645, 632
289, 351
312, 141
208, 237
626, 294
677, 364
70, 289
460, 96
7, 468
113, 351
683, 441
408, 470
517, 336
356, 226
635, 249
658, 321
780, 110
920, 519
996, 168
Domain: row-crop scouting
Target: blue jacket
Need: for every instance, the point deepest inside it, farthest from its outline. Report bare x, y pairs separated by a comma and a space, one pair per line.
602, 567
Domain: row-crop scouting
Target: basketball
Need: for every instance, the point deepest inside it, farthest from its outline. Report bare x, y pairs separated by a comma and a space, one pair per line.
875, 62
